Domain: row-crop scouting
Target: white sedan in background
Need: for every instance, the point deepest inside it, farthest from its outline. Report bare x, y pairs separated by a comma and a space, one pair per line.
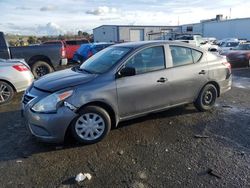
15, 76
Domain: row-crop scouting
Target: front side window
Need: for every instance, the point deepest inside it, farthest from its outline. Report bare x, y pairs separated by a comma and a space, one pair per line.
147, 60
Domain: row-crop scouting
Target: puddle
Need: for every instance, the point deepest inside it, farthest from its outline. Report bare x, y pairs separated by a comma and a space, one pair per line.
241, 82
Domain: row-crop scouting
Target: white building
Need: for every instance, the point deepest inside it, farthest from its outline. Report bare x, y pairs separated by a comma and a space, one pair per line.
123, 33
220, 28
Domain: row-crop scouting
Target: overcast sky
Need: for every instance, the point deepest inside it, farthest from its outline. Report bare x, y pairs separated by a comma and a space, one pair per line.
42, 17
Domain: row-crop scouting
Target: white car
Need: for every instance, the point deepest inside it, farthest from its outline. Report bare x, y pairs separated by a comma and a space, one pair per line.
15, 76
227, 46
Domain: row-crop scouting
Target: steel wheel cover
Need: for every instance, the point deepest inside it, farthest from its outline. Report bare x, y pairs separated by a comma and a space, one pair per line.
90, 126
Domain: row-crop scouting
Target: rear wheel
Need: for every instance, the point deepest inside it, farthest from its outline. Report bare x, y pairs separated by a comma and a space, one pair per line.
206, 98
41, 68
92, 125
6, 92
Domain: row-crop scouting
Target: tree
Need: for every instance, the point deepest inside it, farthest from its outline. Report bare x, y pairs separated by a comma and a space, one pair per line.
79, 33
85, 34
31, 40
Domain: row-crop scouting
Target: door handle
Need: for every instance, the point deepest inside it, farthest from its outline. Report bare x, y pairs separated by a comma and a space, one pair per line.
202, 72
162, 80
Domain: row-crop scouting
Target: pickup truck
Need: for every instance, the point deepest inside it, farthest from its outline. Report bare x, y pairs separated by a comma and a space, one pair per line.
70, 45
42, 59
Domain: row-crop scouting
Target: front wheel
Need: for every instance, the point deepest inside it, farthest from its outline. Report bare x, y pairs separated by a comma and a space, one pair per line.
206, 98
92, 125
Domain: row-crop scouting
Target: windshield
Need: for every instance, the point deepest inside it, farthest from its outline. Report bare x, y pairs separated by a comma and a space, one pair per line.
230, 44
243, 47
104, 60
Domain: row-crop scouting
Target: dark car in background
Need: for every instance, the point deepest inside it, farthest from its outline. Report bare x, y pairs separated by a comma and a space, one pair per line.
122, 82
87, 50
239, 56
70, 46
42, 59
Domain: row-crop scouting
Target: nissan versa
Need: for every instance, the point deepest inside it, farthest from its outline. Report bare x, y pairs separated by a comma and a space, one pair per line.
122, 82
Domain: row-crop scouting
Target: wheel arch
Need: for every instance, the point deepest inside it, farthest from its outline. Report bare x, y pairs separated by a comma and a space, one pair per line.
105, 106
36, 58
217, 86
14, 88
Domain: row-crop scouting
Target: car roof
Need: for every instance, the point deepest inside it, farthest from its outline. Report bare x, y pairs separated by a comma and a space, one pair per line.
155, 42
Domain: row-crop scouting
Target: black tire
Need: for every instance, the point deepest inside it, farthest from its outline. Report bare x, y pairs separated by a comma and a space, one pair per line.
106, 125
41, 68
206, 98
6, 92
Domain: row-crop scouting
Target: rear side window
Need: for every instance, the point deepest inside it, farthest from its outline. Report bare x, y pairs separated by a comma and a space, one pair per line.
184, 56
196, 55
181, 55
76, 42
148, 60
70, 42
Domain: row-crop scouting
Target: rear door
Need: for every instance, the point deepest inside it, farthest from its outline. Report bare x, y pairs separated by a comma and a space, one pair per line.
149, 88
189, 73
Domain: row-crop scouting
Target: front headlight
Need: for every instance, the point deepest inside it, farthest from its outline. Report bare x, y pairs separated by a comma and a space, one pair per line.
50, 103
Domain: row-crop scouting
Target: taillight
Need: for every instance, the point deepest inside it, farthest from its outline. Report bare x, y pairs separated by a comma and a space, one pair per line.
20, 68
90, 54
228, 65
63, 51
229, 71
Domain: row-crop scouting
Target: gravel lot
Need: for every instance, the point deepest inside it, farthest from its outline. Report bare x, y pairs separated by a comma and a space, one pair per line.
180, 147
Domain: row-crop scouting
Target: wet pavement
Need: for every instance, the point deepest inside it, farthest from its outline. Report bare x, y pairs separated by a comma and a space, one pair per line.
180, 147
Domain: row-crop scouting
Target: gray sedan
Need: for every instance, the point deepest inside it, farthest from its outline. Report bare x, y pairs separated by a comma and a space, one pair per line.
122, 82
15, 76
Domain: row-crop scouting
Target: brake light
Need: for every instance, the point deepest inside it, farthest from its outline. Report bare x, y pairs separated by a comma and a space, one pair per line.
90, 54
20, 68
63, 52
228, 65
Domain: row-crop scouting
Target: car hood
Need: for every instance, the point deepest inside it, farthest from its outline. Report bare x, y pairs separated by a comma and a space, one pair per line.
62, 79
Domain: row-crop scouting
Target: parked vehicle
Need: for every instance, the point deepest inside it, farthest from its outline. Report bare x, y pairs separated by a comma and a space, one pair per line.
15, 76
70, 45
190, 39
239, 56
42, 59
223, 41
227, 46
196, 40
122, 82
87, 50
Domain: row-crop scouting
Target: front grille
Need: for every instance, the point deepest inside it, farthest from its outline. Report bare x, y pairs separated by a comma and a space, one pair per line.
27, 98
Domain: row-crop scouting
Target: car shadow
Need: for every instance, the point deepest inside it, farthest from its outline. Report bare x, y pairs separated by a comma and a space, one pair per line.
16, 142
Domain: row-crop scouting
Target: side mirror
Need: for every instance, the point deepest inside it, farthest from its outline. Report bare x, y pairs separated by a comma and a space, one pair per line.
126, 71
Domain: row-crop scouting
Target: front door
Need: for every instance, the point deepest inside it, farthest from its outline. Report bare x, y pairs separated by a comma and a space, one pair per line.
149, 88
